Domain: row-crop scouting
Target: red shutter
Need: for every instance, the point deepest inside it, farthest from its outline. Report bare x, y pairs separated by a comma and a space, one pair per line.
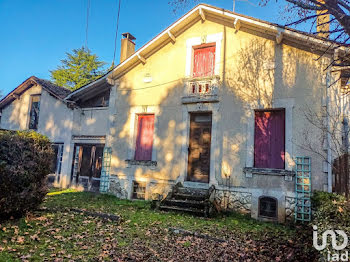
269, 139
144, 139
204, 61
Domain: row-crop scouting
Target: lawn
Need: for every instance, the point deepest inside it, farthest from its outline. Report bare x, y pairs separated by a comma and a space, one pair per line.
56, 233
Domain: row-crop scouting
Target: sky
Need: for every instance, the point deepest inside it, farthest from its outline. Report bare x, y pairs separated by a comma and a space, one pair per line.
36, 34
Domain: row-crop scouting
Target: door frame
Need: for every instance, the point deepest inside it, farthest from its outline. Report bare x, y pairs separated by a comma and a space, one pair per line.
214, 167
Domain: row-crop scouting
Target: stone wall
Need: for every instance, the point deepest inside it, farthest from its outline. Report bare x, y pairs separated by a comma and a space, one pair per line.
290, 206
116, 188
233, 201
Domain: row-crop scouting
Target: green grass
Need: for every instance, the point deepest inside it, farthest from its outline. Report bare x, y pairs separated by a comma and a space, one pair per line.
66, 235
139, 212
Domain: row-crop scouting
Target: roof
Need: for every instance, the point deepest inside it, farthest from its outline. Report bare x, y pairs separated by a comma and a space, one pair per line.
55, 90
201, 10
102, 81
59, 91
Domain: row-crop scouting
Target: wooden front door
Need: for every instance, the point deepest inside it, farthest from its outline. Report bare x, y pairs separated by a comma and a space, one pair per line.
199, 148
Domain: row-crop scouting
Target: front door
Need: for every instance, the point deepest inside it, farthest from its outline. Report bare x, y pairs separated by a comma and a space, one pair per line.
199, 147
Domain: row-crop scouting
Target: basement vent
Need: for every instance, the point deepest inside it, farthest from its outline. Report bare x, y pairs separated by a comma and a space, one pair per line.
139, 190
268, 207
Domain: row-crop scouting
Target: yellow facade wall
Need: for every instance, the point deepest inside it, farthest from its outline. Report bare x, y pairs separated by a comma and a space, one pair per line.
254, 71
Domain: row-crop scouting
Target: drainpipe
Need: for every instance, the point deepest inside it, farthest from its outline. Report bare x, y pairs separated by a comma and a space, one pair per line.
329, 151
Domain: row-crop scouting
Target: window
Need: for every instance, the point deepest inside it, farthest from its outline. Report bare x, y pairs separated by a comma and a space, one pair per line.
269, 139
139, 190
144, 139
268, 207
34, 112
203, 60
57, 160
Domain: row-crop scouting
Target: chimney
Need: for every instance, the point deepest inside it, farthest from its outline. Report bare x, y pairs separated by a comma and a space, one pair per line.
322, 26
127, 46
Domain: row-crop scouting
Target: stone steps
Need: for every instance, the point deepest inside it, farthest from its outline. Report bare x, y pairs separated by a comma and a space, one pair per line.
187, 199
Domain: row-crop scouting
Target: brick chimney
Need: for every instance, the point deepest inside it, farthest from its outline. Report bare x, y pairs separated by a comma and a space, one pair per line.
322, 26
127, 46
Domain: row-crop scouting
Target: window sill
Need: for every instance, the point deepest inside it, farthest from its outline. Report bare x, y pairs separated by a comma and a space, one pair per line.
192, 99
203, 78
132, 162
250, 171
94, 108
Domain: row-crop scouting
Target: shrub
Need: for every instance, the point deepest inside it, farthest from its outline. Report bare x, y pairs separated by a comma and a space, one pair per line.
331, 212
25, 160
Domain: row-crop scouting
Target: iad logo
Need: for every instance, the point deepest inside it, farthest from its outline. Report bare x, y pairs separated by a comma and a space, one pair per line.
336, 256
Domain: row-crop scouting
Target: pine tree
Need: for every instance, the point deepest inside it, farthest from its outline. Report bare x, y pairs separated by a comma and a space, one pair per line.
78, 69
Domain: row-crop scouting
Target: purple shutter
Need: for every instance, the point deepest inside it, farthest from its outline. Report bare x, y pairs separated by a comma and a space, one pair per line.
144, 139
269, 148
277, 139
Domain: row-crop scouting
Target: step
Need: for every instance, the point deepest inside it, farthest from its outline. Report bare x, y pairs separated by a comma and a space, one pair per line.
193, 191
182, 209
181, 196
183, 203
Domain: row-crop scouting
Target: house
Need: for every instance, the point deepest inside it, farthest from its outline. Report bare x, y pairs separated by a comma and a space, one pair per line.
39, 105
217, 100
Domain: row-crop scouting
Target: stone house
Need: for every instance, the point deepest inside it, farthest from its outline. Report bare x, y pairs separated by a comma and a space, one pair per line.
216, 100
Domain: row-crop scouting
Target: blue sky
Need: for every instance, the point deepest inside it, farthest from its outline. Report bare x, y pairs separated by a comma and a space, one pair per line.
36, 34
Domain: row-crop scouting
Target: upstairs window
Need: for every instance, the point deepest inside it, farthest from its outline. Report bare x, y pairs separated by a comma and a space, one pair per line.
34, 112
269, 137
144, 139
203, 60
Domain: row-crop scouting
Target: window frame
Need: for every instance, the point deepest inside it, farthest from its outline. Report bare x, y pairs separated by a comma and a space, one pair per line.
193, 41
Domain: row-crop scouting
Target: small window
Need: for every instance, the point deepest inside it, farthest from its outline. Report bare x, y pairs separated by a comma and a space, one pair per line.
203, 60
269, 139
144, 138
139, 190
34, 112
268, 207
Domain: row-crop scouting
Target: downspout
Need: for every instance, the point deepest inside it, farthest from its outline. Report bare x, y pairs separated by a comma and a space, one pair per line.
329, 151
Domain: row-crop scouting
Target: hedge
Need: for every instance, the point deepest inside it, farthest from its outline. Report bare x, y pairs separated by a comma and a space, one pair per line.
25, 161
